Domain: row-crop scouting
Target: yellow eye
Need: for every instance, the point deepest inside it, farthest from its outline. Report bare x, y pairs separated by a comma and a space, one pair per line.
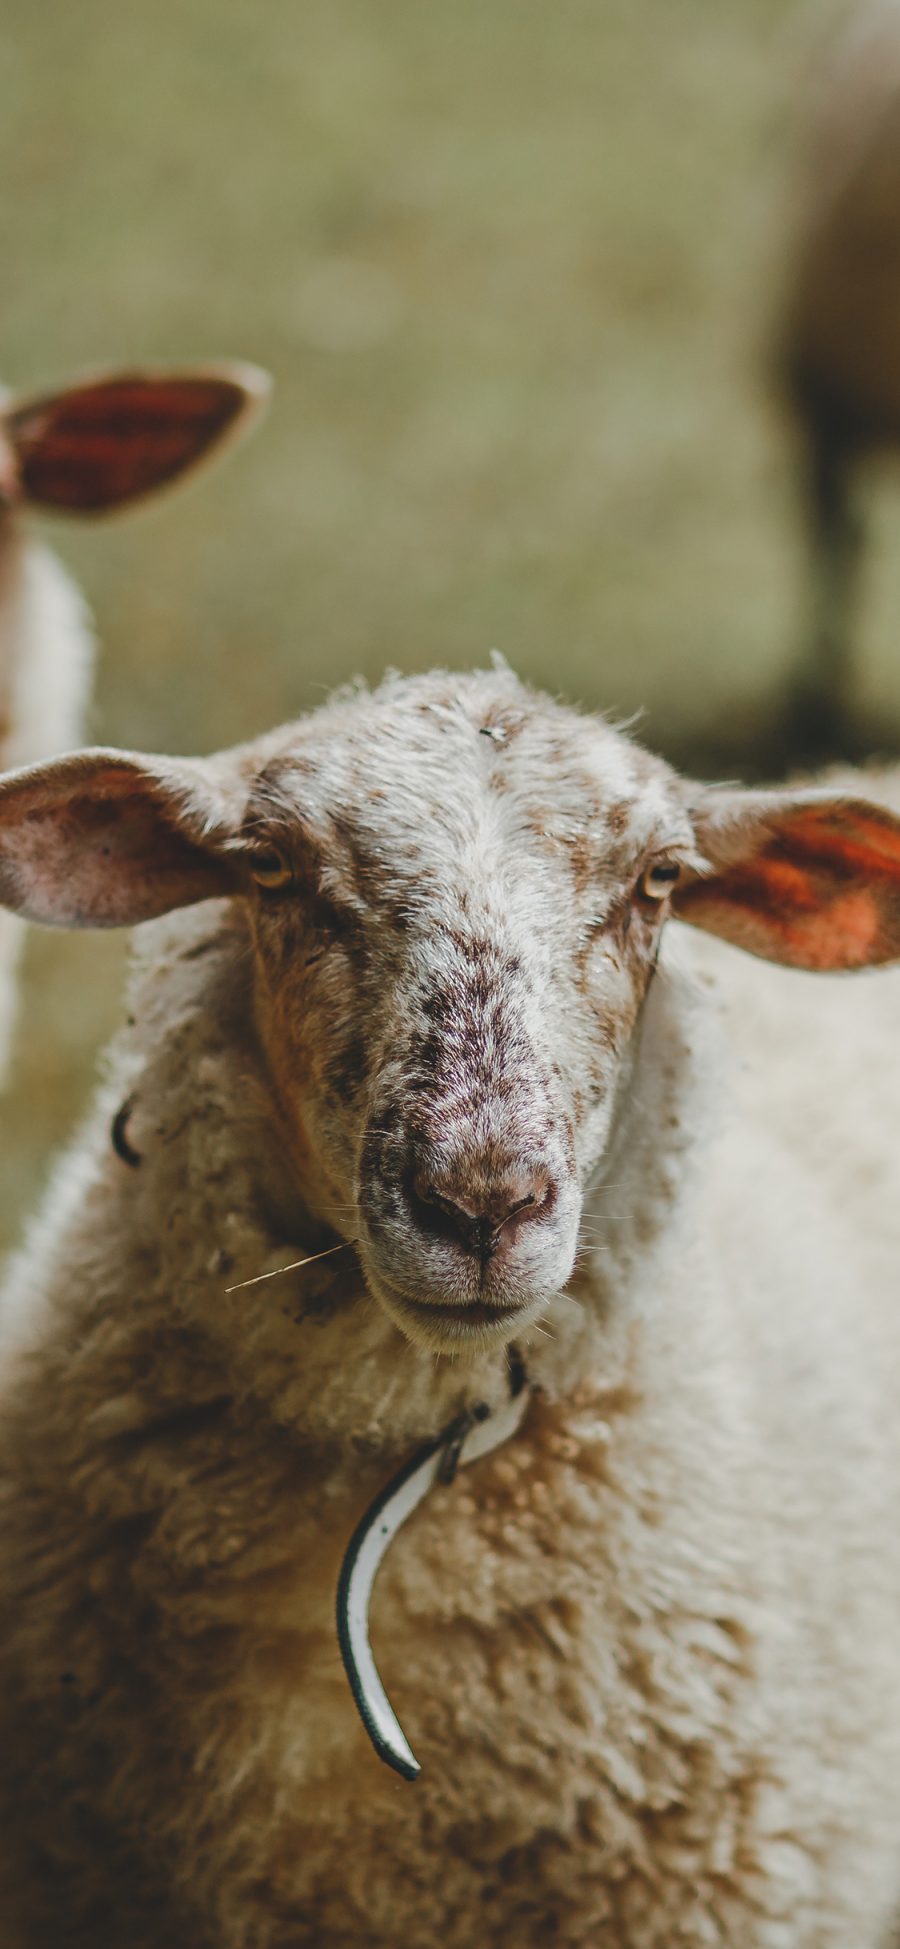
659, 880
271, 870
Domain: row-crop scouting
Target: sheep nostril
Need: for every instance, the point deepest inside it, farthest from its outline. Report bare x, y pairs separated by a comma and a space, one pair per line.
522, 1204
485, 1222
431, 1206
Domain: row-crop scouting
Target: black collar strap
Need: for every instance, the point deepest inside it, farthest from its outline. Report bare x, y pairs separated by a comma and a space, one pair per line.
470, 1436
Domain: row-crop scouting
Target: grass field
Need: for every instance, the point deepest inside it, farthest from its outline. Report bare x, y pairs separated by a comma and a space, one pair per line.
512, 267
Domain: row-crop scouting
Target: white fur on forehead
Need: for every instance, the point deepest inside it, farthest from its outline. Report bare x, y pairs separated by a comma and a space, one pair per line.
449, 741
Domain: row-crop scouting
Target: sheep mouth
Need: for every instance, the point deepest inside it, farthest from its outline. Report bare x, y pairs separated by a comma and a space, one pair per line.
449, 1325
476, 1313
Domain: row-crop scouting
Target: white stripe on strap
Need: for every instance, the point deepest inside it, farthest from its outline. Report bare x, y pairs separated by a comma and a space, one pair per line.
470, 1436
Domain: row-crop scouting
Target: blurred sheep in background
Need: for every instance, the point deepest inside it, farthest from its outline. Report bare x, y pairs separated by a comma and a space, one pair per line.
91, 449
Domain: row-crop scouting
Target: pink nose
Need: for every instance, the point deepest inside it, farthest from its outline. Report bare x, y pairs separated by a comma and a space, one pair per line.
486, 1221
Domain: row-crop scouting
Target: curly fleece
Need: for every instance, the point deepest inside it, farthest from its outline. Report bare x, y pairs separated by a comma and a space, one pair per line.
647, 1653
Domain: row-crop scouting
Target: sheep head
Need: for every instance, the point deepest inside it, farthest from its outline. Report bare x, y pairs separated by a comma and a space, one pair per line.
454, 891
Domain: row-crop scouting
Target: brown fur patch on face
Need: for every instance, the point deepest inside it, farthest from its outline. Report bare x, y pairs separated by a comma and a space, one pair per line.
346, 1072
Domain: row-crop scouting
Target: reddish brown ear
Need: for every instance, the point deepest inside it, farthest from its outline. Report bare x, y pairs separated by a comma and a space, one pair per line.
104, 839
802, 878
116, 438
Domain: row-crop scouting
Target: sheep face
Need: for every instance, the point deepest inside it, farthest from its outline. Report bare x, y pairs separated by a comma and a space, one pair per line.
455, 925
454, 893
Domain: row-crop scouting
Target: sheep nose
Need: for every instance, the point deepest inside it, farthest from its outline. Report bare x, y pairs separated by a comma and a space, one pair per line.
483, 1221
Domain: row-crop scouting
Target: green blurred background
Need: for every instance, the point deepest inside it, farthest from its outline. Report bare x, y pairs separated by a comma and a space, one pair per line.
512, 267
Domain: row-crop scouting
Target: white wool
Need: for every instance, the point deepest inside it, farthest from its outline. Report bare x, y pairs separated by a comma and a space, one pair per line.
46, 660
46, 652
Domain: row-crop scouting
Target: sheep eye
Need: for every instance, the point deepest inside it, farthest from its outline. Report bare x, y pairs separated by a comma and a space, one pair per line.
271, 870
658, 880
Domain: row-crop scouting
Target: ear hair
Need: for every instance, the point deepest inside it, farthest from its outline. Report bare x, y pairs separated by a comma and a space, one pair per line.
106, 839
806, 878
115, 438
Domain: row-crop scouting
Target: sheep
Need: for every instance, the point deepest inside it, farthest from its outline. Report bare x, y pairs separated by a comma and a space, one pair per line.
837, 335
89, 449
436, 993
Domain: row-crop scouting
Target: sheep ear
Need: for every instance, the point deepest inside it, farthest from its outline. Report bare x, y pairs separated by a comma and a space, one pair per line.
121, 436
805, 878
104, 839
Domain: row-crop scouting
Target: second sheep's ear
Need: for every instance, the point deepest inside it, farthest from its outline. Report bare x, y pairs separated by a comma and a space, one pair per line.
807, 878
106, 839
111, 440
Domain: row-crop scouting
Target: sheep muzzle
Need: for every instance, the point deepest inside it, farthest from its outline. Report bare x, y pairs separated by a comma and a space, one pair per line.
461, 1236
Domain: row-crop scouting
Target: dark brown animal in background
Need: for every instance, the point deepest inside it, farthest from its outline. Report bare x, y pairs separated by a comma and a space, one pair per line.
838, 345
